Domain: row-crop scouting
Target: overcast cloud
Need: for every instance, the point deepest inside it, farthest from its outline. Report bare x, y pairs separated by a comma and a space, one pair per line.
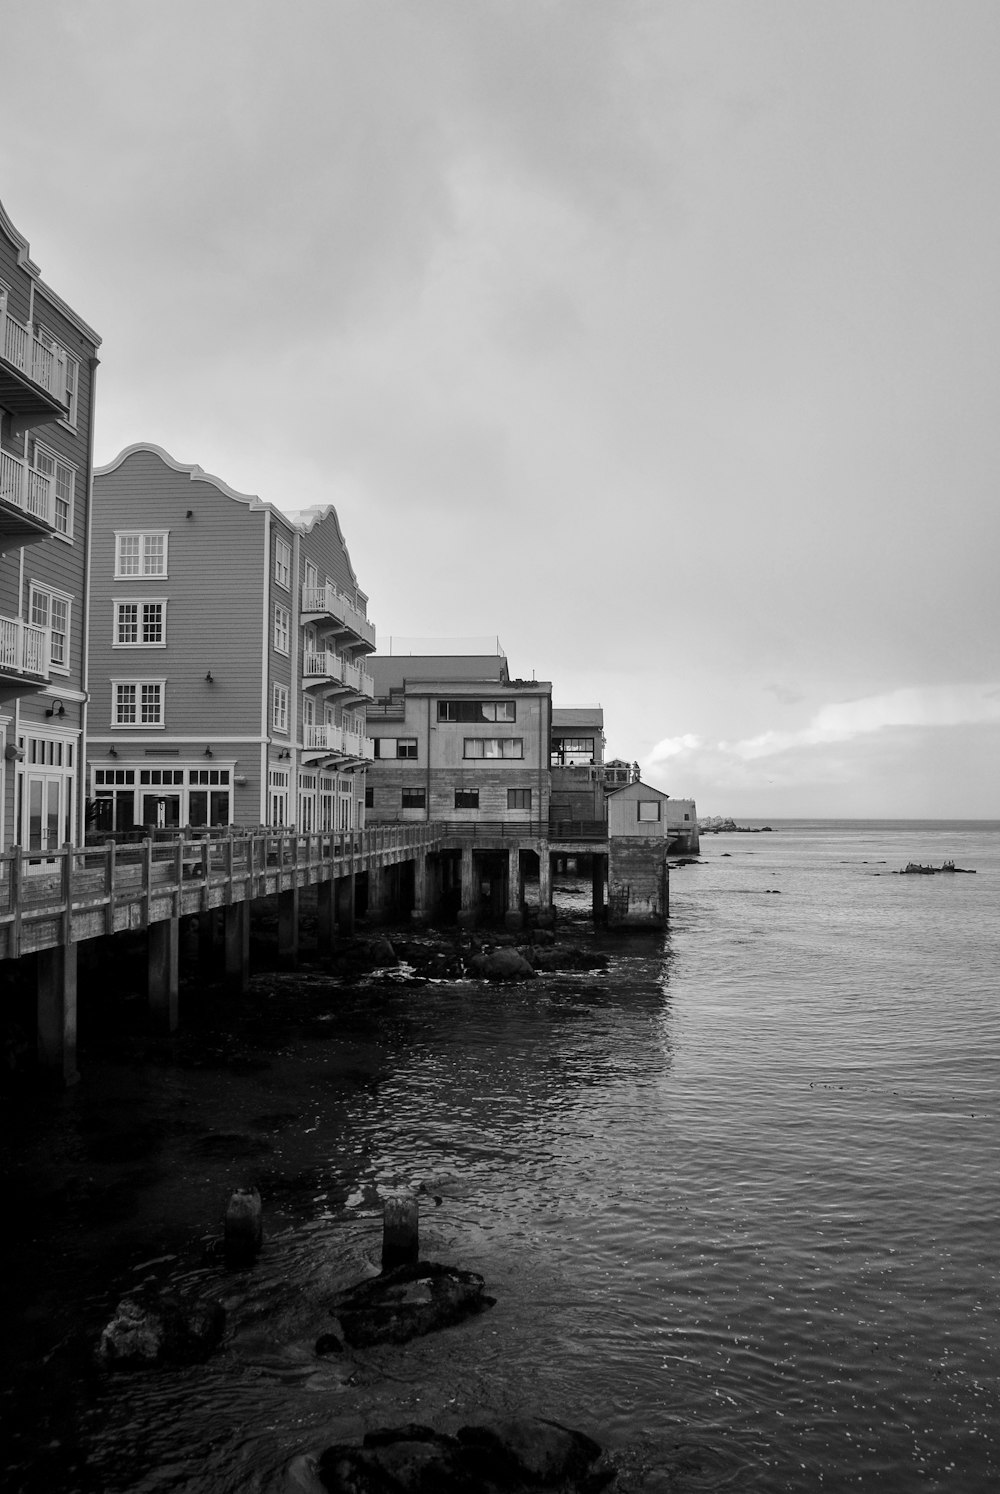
659, 339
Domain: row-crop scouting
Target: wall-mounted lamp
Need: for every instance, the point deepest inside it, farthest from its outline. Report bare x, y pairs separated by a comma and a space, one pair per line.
283, 754
56, 709
112, 752
209, 752
190, 513
13, 754
240, 780
210, 678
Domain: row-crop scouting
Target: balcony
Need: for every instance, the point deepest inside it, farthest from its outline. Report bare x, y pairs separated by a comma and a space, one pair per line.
337, 741
327, 607
25, 652
32, 376
27, 502
334, 675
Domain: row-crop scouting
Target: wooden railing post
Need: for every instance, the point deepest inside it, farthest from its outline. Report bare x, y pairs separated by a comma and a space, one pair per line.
147, 878
109, 886
16, 887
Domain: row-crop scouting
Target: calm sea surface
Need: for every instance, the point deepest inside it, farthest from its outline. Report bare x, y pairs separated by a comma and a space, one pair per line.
736, 1197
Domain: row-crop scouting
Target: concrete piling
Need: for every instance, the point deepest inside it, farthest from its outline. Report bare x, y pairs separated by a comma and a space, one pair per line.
400, 1231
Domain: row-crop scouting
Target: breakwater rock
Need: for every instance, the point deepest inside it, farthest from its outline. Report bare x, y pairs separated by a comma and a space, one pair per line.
505, 957
518, 1455
149, 1328
408, 1302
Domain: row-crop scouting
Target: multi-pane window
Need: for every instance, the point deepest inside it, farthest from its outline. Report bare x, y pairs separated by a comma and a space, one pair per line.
138, 703
62, 480
518, 798
279, 707
51, 609
140, 624
282, 562
140, 554
466, 798
493, 747
387, 747
477, 710
414, 798
282, 628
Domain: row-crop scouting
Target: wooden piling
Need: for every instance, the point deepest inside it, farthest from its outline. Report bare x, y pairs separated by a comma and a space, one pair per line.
400, 1231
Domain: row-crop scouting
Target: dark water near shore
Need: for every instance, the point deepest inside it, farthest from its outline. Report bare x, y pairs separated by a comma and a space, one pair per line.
736, 1196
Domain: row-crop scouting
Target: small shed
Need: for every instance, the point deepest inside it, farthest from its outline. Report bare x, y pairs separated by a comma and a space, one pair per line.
637, 809
638, 835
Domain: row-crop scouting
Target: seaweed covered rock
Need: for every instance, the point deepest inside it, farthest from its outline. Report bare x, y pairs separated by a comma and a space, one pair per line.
503, 964
407, 1302
150, 1328
518, 1455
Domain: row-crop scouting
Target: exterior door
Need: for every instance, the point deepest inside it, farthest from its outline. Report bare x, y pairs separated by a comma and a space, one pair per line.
43, 806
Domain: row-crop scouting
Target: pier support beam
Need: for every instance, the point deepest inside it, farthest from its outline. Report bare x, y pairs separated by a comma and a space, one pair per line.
514, 915
288, 927
163, 973
546, 916
378, 894
345, 905
56, 1007
468, 913
423, 876
237, 941
597, 873
326, 922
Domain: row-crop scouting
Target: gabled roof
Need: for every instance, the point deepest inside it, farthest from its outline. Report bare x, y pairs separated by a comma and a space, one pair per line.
30, 268
637, 790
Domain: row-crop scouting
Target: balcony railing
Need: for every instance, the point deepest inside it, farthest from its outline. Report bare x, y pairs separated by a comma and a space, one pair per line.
25, 649
24, 488
338, 741
327, 601
323, 666
21, 347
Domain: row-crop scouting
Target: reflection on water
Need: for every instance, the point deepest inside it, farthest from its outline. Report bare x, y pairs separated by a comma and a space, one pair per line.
734, 1196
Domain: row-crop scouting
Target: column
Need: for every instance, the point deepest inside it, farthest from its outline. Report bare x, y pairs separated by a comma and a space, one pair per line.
345, 905
326, 924
237, 941
597, 883
56, 1013
162, 973
468, 913
288, 927
378, 893
545, 914
514, 913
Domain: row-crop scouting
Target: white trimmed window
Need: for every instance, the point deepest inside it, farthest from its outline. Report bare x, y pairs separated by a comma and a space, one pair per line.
137, 702
140, 553
51, 609
141, 624
279, 707
282, 628
282, 562
62, 479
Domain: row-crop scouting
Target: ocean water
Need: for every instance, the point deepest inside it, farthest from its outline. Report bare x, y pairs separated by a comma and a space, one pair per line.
736, 1196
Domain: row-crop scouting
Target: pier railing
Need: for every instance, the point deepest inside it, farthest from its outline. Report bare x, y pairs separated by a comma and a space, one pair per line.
79, 892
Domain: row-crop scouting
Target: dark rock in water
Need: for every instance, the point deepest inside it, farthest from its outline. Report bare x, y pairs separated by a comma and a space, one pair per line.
408, 1302
381, 952
328, 1343
502, 964
521, 1455
150, 1328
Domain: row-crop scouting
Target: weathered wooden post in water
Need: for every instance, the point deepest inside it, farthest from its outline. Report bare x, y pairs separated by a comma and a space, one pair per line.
400, 1231
244, 1232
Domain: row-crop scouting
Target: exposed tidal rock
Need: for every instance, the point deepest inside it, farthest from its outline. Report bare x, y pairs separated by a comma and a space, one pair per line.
150, 1328
519, 1455
407, 1302
502, 964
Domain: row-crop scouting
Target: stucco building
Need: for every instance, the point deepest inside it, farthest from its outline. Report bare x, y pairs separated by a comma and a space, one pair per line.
228, 642
48, 362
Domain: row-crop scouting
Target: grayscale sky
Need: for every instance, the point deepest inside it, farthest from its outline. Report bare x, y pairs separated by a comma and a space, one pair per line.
659, 340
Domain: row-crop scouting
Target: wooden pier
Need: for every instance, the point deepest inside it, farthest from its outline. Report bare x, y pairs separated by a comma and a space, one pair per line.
51, 903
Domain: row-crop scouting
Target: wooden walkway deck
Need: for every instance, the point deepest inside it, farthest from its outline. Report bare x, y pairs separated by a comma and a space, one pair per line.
81, 892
